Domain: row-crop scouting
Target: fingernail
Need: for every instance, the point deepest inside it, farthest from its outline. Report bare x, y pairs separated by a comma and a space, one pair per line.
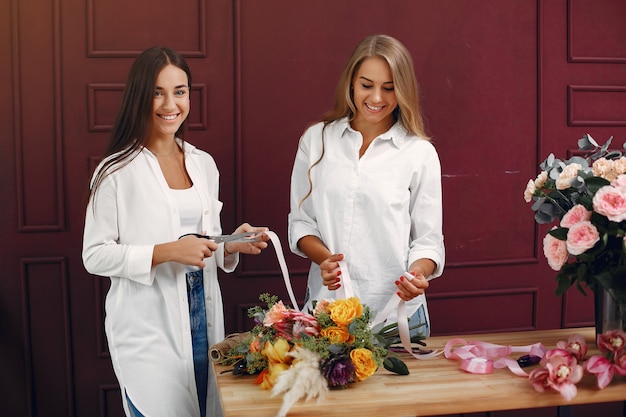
397, 282
402, 278
399, 294
337, 279
338, 273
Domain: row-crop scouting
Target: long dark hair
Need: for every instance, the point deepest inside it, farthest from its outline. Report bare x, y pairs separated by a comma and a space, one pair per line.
133, 122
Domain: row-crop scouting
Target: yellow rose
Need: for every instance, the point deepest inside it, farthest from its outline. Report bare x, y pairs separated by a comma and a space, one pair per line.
271, 376
337, 334
364, 363
344, 311
276, 352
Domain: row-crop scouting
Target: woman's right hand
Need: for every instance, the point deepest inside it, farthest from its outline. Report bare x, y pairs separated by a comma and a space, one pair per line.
189, 250
331, 274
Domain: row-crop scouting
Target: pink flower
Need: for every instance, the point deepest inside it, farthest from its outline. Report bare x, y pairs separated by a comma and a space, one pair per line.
602, 368
619, 166
555, 251
296, 324
576, 214
610, 202
612, 341
620, 181
620, 363
560, 372
581, 237
275, 314
322, 306
564, 181
603, 167
575, 346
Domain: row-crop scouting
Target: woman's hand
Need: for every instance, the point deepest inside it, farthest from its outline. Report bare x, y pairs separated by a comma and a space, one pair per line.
188, 250
411, 288
421, 269
250, 248
330, 271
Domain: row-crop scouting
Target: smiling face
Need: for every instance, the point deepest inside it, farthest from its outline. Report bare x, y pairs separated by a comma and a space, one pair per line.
170, 104
374, 96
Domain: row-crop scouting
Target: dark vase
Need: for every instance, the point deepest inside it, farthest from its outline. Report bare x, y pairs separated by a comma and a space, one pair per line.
609, 314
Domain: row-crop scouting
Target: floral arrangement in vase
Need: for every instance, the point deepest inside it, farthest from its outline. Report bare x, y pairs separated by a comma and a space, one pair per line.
302, 355
585, 196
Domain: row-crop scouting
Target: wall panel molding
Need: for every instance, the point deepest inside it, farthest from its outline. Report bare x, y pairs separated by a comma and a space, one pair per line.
99, 29
587, 32
596, 105
481, 319
47, 333
38, 139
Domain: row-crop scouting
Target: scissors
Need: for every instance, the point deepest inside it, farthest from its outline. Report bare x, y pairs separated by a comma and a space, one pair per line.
240, 237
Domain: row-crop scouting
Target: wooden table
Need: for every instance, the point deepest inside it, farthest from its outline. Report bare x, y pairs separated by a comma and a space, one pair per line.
434, 387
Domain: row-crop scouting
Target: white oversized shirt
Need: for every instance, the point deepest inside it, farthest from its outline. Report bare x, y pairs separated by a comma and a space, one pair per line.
147, 311
383, 211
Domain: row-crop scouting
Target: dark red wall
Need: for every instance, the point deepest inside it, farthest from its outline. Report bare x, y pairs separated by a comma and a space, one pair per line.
504, 83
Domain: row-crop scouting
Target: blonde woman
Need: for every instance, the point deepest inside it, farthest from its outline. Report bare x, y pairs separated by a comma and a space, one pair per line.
366, 186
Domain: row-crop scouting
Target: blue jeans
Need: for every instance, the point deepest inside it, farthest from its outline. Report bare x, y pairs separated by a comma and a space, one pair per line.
133, 411
199, 337
419, 317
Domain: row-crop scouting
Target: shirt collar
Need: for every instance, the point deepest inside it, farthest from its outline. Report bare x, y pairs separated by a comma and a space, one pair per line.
397, 133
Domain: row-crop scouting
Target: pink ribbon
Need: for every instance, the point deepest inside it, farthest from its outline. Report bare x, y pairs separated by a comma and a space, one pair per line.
482, 357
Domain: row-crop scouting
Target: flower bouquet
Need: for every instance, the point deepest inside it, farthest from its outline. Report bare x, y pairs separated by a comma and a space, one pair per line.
587, 195
303, 354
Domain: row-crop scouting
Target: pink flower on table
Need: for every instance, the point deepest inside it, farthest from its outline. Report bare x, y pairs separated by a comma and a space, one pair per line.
576, 214
620, 363
613, 341
581, 237
602, 368
610, 202
575, 346
559, 372
555, 251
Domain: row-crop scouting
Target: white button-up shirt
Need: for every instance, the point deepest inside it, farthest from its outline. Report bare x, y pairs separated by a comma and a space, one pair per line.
147, 311
383, 211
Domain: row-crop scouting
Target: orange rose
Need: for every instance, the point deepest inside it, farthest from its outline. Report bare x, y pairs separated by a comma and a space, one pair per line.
337, 334
364, 363
344, 311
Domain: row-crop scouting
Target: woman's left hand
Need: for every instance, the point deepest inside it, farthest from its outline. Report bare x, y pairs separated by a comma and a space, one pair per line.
250, 248
411, 288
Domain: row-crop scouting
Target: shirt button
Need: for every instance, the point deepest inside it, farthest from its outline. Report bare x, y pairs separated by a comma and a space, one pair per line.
206, 212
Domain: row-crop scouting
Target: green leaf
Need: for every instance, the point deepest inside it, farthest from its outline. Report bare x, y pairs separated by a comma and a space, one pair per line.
559, 233
395, 365
595, 183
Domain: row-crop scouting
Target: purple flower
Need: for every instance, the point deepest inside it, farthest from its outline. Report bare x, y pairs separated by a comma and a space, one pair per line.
338, 370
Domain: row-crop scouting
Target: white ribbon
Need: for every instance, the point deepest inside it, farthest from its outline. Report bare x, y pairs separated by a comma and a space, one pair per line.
283, 267
346, 291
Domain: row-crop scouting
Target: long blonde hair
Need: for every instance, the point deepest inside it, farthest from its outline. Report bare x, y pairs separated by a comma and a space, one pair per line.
405, 87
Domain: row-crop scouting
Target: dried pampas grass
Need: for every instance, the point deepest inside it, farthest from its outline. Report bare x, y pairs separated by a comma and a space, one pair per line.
302, 380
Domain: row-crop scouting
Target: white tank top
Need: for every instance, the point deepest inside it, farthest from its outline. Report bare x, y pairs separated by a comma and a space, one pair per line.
190, 210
